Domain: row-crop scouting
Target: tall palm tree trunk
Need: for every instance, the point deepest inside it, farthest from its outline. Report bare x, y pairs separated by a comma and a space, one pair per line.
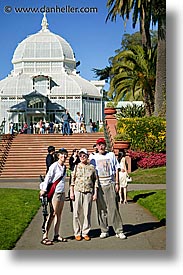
147, 104
160, 90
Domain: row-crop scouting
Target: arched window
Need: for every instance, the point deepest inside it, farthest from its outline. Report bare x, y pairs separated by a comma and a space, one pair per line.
35, 103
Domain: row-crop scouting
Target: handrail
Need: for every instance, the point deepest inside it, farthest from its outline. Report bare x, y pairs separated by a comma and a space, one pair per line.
2, 127
7, 139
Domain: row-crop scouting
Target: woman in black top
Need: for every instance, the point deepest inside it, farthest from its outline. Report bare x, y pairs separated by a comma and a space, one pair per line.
50, 158
74, 160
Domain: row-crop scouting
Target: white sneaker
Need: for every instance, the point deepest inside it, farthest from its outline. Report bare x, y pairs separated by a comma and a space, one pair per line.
121, 236
104, 235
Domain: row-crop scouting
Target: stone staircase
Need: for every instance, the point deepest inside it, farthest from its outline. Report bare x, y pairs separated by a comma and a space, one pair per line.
26, 157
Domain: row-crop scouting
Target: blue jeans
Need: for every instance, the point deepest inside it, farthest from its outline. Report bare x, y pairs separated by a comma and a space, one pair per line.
66, 128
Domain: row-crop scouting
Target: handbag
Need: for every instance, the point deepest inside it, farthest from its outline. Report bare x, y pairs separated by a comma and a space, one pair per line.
128, 178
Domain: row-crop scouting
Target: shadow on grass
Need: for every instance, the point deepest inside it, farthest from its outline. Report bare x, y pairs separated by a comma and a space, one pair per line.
145, 195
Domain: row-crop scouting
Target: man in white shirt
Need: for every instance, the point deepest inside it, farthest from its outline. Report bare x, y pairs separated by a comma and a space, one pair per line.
107, 167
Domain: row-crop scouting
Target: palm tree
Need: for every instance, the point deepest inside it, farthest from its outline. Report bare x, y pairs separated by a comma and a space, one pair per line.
147, 10
134, 72
141, 9
159, 16
103, 74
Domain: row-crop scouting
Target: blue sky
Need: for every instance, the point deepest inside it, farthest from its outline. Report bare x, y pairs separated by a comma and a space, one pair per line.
93, 41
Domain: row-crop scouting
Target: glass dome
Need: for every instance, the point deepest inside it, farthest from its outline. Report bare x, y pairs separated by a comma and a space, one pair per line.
44, 47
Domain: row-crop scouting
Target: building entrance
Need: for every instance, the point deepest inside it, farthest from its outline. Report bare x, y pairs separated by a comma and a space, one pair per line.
35, 118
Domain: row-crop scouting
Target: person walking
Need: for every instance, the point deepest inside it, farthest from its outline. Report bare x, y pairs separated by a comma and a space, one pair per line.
54, 186
107, 167
83, 191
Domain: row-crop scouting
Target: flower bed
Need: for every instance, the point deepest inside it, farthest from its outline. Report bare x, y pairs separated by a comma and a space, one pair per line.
144, 134
148, 159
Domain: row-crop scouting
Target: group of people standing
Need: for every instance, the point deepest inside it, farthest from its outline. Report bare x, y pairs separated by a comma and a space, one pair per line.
94, 177
66, 126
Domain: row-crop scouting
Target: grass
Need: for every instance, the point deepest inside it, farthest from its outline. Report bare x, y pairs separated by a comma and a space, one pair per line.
149, 176
153, 200
18, 207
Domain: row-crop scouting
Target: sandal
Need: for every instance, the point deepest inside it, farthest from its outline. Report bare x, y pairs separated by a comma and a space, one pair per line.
46, 241
58, 239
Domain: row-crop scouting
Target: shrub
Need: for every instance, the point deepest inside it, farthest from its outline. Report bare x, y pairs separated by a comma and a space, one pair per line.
131, 111
148, 160
111, 104
146, 134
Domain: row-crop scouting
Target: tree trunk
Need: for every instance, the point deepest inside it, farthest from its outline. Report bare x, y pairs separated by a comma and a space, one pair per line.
160, 90
147, 104
146, 38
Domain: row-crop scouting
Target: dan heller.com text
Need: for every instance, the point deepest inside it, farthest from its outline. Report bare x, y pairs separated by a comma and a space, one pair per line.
57, 9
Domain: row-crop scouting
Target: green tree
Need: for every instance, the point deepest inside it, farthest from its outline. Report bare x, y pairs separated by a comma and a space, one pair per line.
134, 72
136, 39
127, 41
103, 74
141, 10
147, 11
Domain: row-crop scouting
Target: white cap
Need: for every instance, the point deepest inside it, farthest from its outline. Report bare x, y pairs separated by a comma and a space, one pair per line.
83, 150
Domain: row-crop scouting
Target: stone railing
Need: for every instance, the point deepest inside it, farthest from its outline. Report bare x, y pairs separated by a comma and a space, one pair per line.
111, 127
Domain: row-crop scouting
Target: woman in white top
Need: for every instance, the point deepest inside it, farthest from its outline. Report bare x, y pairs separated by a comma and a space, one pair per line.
122, 177
55, 176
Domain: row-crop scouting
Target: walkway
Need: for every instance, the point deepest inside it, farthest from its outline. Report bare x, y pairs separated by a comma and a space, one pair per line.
143, 231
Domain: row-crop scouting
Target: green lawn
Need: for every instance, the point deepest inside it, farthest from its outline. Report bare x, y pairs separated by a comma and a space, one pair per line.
149, 176
153, 200
18, 207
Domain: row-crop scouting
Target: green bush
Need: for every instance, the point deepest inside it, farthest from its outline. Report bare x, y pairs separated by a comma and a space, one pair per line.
131, 111
147, 134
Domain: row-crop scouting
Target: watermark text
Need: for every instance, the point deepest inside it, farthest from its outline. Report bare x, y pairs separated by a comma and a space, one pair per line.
54, 9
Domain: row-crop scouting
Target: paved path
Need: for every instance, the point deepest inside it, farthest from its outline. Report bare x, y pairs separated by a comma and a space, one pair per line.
143, 231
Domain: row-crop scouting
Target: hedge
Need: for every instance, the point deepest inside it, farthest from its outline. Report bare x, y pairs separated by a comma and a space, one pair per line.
147, 134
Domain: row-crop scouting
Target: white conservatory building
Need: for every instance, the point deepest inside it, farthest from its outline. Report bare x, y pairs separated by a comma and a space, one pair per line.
44, 82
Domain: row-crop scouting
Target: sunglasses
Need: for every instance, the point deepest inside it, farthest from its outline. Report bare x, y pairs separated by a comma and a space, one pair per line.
83, 156
65, 156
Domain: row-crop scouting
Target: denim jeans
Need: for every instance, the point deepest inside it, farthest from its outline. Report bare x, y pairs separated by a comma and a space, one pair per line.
66, 128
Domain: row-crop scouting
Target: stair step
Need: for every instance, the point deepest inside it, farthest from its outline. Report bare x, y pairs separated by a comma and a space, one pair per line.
26, 157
